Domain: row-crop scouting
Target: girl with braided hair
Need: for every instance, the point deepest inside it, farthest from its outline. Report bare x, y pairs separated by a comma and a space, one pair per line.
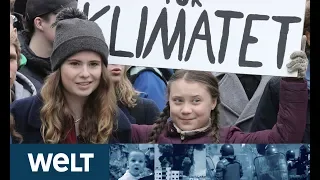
204, 97
191, 114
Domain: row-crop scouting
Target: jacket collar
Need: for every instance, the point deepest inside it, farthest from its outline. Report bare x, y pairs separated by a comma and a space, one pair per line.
173, 131
192, 132
23, 87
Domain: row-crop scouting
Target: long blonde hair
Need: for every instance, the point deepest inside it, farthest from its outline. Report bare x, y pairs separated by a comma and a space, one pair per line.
99, 112
125, 91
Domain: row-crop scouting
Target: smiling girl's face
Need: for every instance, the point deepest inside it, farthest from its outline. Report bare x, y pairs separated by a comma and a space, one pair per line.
81, 73
190, 104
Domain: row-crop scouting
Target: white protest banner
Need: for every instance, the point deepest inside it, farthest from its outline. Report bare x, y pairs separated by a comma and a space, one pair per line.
235, 36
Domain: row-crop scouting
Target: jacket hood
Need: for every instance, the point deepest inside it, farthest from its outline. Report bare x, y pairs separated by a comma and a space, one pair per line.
23, 87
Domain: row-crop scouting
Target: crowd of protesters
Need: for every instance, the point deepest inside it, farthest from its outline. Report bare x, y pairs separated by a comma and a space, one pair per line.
63, 90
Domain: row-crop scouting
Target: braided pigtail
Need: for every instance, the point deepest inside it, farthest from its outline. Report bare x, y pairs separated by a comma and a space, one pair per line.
160, 124
215, 123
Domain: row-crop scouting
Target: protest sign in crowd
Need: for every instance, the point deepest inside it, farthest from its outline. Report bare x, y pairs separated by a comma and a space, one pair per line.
147, 76
101, 72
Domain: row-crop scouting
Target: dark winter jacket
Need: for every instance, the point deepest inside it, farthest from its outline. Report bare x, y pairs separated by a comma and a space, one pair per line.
145, 112
26, 113
37, 68
268, 108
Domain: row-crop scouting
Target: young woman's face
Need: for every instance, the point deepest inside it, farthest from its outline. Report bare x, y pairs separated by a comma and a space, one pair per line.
136, 163
115, 72
190, 104
81, 73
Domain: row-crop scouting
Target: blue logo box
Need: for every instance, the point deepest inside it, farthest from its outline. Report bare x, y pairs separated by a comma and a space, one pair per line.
58, 162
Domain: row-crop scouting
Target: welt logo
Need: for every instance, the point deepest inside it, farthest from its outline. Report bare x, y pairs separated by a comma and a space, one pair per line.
39, 161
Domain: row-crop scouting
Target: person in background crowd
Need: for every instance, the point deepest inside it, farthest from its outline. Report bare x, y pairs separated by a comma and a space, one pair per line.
193, 98
77, 103
15, 6
239, 95
17, 90
37, 39
20, 6
20, 86
13, 30
151, 82
268, 108
138, 110
247, 89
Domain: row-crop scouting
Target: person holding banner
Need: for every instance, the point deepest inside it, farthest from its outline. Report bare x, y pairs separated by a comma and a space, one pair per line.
193, 98
138, 110
268, 107
77, 103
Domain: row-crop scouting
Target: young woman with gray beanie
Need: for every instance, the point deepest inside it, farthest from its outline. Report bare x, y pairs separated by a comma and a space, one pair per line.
77, 103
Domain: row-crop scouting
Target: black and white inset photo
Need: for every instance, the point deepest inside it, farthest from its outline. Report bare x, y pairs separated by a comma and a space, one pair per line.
180, 162
230, 160
258, 161
131, 161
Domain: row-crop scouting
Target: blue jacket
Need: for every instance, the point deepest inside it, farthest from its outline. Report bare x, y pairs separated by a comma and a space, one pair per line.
153, 86
26, 113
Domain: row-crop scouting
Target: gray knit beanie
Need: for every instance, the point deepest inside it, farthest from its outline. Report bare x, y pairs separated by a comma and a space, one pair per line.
75, 35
